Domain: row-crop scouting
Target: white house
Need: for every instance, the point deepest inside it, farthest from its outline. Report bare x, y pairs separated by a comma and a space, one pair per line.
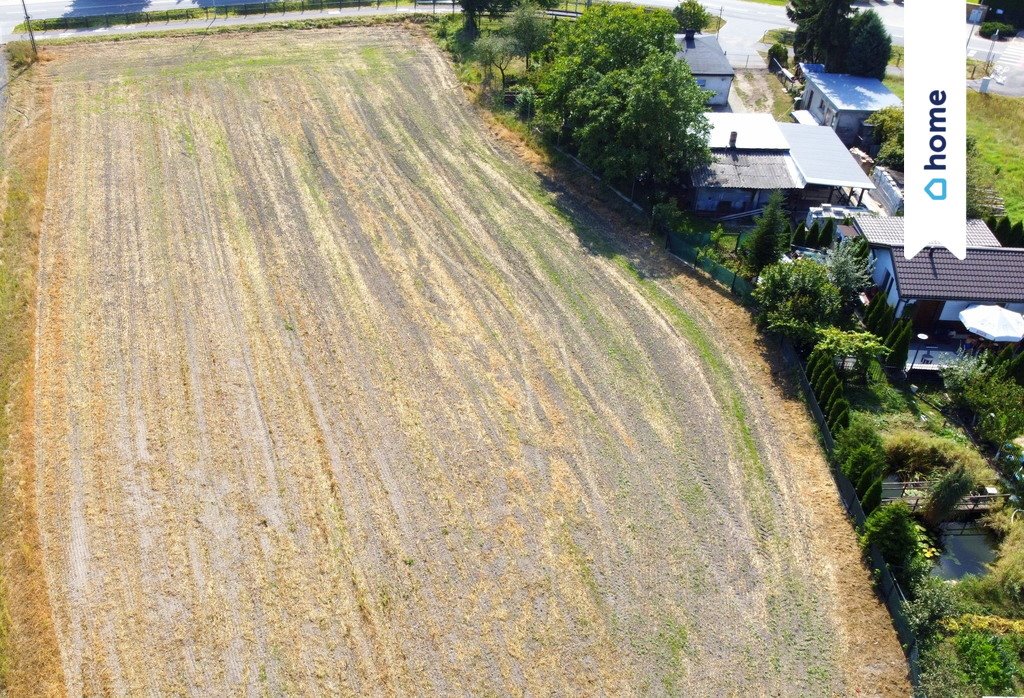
843, 102
709, 65
935, 286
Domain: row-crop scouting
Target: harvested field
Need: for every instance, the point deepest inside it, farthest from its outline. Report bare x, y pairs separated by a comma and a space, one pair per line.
334, 394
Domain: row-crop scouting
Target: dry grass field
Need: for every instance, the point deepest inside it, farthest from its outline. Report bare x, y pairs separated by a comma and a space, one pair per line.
333, 393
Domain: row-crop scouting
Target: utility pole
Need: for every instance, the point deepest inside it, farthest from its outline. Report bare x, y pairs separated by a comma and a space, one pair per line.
31, 34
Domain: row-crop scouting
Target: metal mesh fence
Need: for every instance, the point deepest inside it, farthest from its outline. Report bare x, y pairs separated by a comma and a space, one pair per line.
887, 586
688, 249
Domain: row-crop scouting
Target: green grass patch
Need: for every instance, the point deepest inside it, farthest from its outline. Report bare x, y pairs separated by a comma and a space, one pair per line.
317, 23
894, 83
778, 36
202, 13
997, 123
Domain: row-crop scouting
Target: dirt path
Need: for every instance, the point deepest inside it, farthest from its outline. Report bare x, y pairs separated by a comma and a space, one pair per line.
330, 397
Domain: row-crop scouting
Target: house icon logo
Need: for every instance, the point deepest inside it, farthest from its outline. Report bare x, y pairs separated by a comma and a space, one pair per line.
936, 189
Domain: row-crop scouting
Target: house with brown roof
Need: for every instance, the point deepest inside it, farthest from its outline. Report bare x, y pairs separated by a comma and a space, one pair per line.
935, 286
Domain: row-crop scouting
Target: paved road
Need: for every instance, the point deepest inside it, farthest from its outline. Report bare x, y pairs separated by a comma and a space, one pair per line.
746, 21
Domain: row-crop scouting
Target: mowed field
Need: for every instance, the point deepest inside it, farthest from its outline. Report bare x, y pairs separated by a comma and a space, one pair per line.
334, 394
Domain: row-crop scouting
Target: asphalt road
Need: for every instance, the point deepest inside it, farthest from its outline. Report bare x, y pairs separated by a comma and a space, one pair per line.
746, 21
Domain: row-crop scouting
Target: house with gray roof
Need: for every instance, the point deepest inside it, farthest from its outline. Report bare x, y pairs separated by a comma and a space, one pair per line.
709, 65
935, 286
753, 155
843, 102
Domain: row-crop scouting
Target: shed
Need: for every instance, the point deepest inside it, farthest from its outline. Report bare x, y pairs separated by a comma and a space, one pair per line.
843, 102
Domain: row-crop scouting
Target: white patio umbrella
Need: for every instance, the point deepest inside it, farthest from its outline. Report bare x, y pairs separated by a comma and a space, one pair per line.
993, 322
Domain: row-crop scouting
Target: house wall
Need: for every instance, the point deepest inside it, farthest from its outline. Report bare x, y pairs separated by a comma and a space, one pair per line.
951, 310
813, 102
718, 84
884, 276
709, 200
846, 124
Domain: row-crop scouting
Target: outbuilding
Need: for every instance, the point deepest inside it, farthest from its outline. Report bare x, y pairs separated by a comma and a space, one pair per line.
843, 102
753, 155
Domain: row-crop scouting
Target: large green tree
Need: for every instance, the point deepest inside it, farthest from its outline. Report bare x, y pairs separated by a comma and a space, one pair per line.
473, 10
822, 31
796, 299
691, 15
529, 30
870, 46
633, 111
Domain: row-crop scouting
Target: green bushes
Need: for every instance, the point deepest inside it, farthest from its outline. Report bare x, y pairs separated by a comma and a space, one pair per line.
892, 530
779, 53
989, 29
796, 299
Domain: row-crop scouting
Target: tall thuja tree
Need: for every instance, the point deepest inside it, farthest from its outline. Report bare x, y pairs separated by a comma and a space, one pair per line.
770, 238
898, 342
822, 31
870, 46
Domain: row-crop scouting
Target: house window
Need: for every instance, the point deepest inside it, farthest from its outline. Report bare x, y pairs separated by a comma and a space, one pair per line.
702, 83
887, 283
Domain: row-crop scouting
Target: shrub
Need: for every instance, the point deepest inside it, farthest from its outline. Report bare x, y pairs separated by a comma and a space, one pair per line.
961, 371
891, 528
827, 382
796, 299
828, 401
988, 30
868, 476
898, 342
990, 660
872, 497
863, 458
779, 53
526, 103
841, 420
800, 235
860, 432
934, 601
20, 54
823, 365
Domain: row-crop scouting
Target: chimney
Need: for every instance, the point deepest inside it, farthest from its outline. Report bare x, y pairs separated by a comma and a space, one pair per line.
732, 139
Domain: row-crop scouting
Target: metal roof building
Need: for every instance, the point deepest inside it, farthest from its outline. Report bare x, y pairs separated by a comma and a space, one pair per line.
753, 155
851, 92
822, 158
882, 230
